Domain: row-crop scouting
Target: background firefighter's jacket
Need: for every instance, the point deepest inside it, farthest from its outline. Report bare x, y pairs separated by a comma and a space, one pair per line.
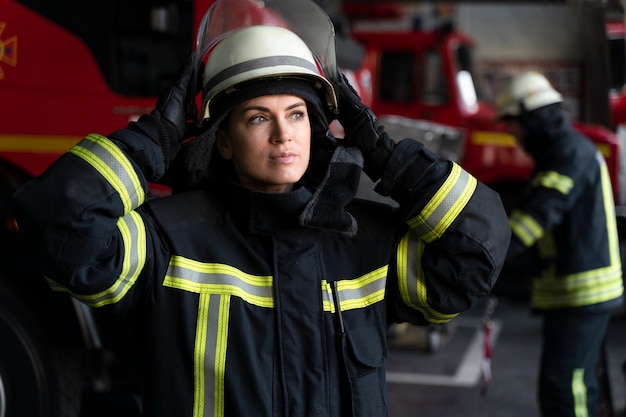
246, 312
567, 218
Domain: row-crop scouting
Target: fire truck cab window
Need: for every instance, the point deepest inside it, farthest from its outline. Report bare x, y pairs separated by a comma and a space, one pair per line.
434, 91
464, 78
617, 54
397, 80
138, 45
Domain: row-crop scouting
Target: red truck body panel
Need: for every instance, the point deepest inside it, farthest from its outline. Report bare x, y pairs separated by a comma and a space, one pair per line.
53, 93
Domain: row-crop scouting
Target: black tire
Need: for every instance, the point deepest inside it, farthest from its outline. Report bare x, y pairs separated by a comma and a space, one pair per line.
36, 378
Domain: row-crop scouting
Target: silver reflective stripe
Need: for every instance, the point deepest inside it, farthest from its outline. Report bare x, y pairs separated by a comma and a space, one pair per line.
200, 277
270, 61
412, 280
210, 354
428, 225
114, 166
552, 179
133, 237
585, 288
445, 205
525, 227
593, 286
216, 284
356, 293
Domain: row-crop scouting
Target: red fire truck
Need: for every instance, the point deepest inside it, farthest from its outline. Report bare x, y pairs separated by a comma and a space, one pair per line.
423, 82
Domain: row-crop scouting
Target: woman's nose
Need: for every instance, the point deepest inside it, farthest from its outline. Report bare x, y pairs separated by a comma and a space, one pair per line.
281, 131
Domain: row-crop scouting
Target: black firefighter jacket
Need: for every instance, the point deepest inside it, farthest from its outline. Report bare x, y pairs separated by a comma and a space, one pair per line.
247, 313
567, 218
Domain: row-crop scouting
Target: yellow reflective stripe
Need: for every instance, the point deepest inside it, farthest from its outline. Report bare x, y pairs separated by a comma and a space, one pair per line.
114, 166
609, 210
412, 281
327, 297
200, 277
579, 393
356, 293
210, 354
616, 285
199, 354
585, 288
604, 149
547, 247
525, 227
133, 233
221, 343
216, 284
552, 179
445, 205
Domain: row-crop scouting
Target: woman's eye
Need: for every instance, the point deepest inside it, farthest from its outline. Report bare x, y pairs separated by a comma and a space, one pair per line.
298, 115
257, 119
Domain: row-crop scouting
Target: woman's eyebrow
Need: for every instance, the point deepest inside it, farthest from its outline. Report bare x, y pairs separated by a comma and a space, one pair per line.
263, 108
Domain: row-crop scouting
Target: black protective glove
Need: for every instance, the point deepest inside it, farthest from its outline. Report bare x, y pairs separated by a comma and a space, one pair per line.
172, 108
362, 130
170, 122
400, 167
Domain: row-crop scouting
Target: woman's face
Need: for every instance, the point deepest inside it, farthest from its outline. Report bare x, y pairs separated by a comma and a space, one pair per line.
268, 141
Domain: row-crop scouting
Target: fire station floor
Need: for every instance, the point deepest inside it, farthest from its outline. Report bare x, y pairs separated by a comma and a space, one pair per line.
440, 373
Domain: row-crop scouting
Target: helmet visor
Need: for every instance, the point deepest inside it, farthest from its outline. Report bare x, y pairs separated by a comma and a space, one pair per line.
303, 17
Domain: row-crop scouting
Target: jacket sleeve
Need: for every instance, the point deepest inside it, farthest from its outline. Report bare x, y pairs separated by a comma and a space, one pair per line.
456, 240
556, 186
81, 220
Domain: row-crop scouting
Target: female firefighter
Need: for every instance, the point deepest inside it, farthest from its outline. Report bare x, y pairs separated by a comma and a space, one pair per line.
264, 287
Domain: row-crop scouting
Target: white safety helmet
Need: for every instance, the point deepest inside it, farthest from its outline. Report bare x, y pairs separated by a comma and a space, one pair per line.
527, 91
261, 52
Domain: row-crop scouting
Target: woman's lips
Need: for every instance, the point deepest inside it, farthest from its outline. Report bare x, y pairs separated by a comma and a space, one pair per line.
284, 157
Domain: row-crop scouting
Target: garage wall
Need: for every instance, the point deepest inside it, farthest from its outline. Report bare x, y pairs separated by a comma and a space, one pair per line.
565, 42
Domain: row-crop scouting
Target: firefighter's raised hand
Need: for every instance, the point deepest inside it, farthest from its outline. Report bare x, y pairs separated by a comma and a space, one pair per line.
361, 128
171, 107
166, 126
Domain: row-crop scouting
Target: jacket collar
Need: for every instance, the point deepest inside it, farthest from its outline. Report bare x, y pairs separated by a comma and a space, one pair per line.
263, 213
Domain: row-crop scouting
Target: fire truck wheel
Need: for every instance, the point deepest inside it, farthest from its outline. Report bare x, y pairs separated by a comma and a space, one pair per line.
35, 379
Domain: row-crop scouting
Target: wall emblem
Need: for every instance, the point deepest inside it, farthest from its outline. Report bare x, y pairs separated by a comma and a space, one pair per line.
8, 50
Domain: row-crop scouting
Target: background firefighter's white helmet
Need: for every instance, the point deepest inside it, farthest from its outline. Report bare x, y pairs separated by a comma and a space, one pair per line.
259, 52
527, 91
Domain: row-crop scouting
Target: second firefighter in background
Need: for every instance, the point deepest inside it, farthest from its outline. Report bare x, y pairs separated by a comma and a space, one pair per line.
565, 228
